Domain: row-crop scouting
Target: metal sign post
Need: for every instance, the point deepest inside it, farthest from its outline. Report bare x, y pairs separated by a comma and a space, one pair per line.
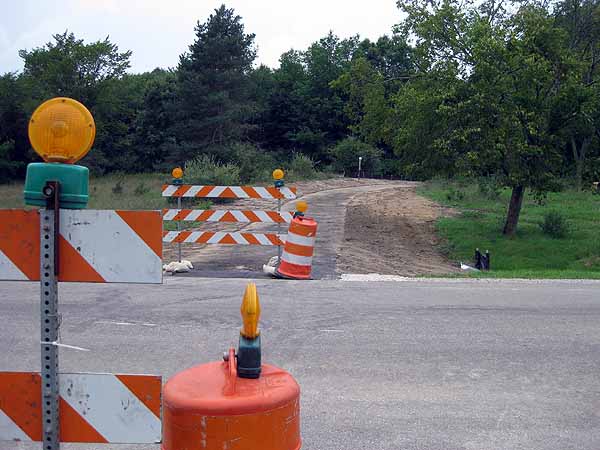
360, 158
49, 318
278, 175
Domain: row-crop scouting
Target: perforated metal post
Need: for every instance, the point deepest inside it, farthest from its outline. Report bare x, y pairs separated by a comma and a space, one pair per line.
50, 322
49, 331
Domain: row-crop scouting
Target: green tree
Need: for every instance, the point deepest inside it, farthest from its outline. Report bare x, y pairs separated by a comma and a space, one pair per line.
286, 120
325, 61
391, 56
116, 114
514, 65
214, 95
366, 105
347, 152
95, 75
70, 68
578, 108
154, 139
14, 145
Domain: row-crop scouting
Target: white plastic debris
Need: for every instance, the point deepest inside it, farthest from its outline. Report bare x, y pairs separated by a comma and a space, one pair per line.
468, 268
271, 266
178, 267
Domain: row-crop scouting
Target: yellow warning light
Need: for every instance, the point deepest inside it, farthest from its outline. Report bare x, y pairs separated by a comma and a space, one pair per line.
278, 174
301, 206
250, 312
62, 130
177, 173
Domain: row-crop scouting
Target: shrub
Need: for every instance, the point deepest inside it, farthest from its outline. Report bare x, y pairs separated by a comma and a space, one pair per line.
346, 153
141, 189
455, 195
255, 164
8, 168
490, 188
206, 170
555, 225
301, 167
118, 187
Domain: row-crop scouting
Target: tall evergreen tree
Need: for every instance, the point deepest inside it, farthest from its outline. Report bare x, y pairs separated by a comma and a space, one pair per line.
215, 90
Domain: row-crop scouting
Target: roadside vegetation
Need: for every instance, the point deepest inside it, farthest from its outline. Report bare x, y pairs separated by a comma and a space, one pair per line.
120, 190
558, 236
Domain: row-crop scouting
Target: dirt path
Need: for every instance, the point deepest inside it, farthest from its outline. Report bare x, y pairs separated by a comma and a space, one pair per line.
392, 232
352, 247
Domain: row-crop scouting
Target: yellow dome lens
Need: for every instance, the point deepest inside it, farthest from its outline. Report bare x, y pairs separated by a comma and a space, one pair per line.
62, 130
278, 174
301, 206
177, 172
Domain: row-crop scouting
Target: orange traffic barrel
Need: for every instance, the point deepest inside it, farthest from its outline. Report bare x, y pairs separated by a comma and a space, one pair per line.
296, 258
208, 407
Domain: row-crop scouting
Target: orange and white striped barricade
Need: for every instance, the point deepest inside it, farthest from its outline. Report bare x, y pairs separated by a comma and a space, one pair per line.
52, 245
221, 237
231, 216
296, 258
191, 191
278, 192
94, 246
93, 408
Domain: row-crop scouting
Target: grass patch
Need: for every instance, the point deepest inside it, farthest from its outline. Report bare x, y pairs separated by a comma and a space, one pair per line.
531, 253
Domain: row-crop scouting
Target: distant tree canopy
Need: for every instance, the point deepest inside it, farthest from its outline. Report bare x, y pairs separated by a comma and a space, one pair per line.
507, 90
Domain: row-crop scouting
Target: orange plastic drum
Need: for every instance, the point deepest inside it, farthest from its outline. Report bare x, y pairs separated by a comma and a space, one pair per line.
208, 407
297, 255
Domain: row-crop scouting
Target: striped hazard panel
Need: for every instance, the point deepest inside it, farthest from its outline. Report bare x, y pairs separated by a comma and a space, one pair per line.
201, 215
102, 408
186, 190
94, 246
220, 237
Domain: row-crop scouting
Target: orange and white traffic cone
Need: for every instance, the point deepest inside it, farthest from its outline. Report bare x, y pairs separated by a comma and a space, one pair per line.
296, 258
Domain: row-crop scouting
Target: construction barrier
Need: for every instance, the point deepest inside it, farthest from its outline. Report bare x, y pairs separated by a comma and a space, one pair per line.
95, 246
201, 215
221, 237
187, 191
179, 190
99, 408
296, 259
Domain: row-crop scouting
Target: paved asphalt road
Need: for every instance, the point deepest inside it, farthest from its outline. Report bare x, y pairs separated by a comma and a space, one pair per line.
428, 365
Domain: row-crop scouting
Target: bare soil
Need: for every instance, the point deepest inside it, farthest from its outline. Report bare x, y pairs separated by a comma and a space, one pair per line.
392, 232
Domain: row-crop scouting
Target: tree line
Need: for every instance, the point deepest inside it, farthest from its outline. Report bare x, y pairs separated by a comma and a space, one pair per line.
502, 91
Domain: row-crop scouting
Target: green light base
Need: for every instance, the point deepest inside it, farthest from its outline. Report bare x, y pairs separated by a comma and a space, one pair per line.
74, 182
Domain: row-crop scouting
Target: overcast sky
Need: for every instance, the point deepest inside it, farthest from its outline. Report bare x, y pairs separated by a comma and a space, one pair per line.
158, 31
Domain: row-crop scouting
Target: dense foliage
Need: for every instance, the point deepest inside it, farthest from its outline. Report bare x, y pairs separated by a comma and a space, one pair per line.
506, 91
